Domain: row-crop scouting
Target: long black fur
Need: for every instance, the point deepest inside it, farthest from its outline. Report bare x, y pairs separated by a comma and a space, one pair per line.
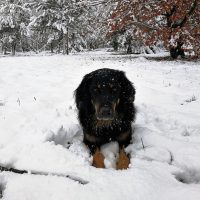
125, 110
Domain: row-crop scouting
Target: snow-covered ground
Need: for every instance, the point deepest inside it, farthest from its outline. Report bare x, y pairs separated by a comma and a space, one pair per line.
39, 130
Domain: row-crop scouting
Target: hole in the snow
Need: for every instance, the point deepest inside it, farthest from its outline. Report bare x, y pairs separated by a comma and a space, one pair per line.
66, 137
188, 177
2, 103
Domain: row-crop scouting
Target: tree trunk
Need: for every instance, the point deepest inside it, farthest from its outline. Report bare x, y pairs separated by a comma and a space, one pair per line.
13, 50
59, 47
22, 44
177, 51
115, 43
67, 41
37, 47
129, 44
64, 44
129, 49
3, 49
51, 46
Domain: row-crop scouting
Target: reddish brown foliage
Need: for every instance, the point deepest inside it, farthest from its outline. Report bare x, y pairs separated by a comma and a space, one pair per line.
170, 21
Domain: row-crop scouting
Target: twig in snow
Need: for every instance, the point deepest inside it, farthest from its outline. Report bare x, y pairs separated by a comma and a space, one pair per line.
17, 171
142, 144
171, 157
18, 101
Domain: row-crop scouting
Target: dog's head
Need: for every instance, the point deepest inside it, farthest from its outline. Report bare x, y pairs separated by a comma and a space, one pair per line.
105, 96
104, 91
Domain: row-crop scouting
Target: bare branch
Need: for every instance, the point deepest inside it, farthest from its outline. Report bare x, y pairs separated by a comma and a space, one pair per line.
17, 171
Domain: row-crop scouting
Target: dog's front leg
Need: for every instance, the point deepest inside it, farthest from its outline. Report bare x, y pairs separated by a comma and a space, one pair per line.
92, 143
124, 140
123, 160
98, 159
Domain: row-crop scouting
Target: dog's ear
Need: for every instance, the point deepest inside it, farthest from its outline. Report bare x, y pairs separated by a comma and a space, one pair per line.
82, 95
128, 90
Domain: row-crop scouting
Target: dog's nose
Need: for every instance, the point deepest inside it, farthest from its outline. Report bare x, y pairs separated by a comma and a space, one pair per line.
106, 111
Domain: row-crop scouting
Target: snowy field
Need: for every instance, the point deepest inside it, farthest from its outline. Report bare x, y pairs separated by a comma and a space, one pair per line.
39, 130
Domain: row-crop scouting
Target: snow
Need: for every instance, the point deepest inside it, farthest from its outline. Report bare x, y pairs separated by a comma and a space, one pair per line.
39, 130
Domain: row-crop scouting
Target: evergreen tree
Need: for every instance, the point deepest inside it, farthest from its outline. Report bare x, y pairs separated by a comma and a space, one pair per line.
59, 20
14, 19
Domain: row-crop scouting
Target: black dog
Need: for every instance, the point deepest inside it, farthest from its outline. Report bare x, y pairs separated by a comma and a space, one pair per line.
104, 100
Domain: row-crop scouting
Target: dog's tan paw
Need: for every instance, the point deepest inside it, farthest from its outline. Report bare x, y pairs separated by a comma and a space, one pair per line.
98, 159
123, 160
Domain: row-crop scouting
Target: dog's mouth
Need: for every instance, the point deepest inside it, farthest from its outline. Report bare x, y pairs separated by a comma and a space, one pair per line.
106, 112
105, 118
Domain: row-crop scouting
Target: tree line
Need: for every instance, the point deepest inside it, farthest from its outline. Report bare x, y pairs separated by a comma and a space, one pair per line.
73, 25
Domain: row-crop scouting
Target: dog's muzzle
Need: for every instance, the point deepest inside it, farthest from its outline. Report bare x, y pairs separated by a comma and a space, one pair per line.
105, 113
